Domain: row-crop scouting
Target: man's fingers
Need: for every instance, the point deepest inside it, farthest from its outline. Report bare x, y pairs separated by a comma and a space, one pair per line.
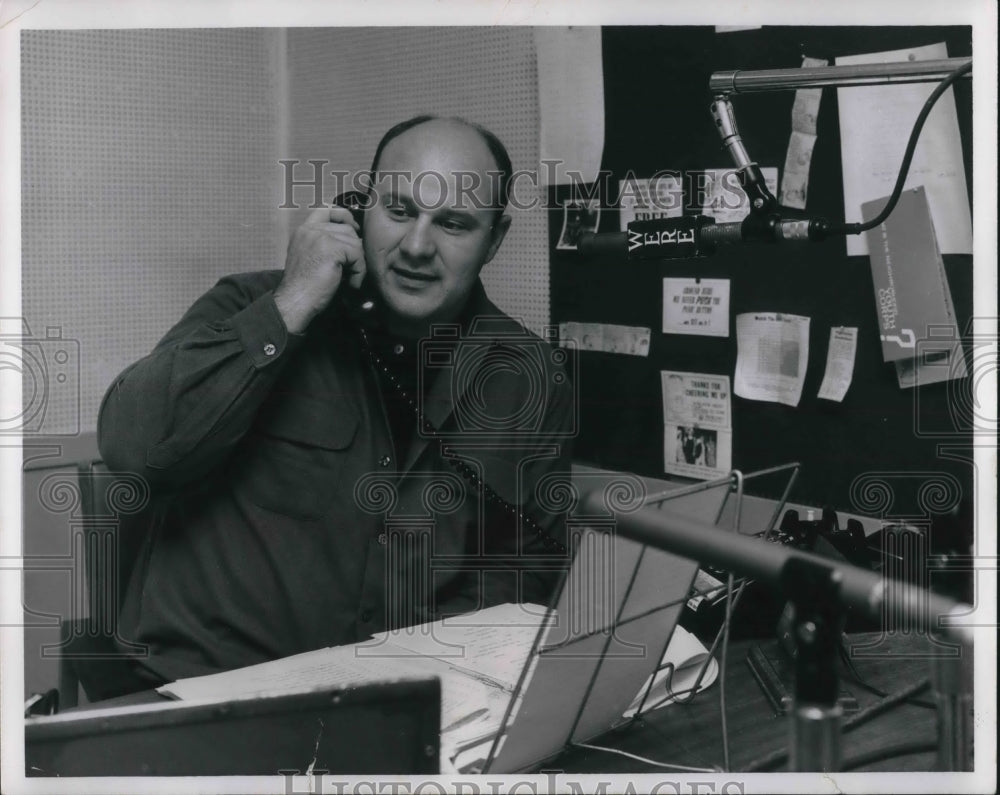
332, 215
355, 273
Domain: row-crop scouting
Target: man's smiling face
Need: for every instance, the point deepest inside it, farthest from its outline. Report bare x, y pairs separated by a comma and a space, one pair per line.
435, 223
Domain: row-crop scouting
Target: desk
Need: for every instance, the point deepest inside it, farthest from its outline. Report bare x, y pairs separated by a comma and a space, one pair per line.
689, 734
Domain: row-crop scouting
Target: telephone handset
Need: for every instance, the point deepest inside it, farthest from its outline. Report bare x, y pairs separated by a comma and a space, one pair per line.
356, 299
356, 202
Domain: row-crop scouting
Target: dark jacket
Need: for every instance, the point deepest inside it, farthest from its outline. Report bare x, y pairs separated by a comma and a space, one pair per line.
282, 521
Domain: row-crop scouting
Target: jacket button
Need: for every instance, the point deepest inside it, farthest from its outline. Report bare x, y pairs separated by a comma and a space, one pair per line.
270, 350
384, 461
383, 539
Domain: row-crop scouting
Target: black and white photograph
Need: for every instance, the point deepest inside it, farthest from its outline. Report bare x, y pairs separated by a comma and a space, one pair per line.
302, 490
578, 217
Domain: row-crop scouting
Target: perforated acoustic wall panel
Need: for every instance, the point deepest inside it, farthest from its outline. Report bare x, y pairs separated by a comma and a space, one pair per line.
349, 85
149, 170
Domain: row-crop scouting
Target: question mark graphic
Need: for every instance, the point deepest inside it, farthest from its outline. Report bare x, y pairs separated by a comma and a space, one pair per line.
910, 340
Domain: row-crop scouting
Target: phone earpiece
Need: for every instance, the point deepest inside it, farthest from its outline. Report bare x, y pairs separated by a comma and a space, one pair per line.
360, 301
356, 202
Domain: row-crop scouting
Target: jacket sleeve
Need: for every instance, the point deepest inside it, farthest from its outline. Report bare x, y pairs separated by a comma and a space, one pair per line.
176, 414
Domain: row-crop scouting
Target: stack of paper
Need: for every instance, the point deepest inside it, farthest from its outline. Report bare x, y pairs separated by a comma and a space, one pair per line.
479, 658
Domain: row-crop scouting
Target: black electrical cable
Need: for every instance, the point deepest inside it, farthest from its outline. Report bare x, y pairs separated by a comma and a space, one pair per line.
884, 704
904, 167
889, 752
857, 679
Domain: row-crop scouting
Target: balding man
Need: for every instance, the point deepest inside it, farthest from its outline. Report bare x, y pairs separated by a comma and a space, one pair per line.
350, 444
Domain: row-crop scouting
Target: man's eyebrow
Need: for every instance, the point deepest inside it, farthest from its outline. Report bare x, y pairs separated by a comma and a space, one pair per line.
453, 213
393, 196
457, 213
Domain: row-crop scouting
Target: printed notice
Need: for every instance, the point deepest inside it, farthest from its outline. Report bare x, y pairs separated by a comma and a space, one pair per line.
649, 199
606, 337
720, 196
805, 110
696, 306
570, 101
697, 424
839, 363
875, 123
772, 354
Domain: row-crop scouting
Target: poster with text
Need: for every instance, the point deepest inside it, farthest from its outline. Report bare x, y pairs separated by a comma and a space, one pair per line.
697, 421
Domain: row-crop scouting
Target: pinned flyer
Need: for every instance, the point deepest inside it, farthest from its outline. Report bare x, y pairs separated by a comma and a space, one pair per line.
606, 337
805, 110
697, 424
874, 123
579, 216
720, 196
772, 354
839, 363
649, 199
696, 306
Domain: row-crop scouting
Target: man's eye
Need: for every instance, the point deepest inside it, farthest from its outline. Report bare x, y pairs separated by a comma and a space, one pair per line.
396, 211
453, 226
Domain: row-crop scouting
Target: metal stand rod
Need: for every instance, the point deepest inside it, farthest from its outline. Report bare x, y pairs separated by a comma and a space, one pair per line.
815, 738
814, 592
744, 81
951, 678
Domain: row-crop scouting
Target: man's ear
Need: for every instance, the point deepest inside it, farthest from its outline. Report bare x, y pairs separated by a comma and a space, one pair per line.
498, 234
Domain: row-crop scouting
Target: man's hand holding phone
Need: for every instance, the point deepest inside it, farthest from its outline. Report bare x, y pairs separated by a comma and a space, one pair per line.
323, 252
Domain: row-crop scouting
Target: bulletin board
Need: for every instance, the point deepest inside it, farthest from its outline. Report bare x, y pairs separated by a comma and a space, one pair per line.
657, 97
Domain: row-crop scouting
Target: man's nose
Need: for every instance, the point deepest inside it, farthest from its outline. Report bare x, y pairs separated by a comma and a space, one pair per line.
418, 242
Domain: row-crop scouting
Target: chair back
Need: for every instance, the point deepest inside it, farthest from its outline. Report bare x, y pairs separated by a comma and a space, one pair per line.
115, 508
114, 516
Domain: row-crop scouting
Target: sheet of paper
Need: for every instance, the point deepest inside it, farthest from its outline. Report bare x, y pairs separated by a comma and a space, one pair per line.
772, 354
721, 197
696, 306
495, 646
686, 655
697, 422
696, 399
649, 199
798, 158
805, 108
338, 667
875, 123
606, 337
571, 102
839, 363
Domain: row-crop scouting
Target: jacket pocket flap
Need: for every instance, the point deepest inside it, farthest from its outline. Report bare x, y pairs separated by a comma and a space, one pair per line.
310, 422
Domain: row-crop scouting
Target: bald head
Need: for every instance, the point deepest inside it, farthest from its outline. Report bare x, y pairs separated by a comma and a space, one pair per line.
498, 172
434, 220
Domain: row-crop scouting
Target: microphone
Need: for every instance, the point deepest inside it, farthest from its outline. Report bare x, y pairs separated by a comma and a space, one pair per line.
747, 171
690, 236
